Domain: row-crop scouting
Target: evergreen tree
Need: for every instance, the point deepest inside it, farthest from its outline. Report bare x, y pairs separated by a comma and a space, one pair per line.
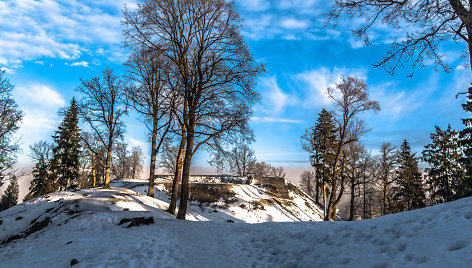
320, 142
65, 163
42, 183
10, 196
409, 192
445, 173
465, 136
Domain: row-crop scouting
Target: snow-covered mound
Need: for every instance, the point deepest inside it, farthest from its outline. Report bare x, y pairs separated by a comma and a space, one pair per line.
274, 201
120, 228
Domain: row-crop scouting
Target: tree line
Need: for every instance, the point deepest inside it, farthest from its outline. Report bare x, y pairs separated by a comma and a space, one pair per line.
390, 181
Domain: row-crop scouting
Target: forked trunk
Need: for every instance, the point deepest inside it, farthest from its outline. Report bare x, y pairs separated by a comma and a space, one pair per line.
184, 191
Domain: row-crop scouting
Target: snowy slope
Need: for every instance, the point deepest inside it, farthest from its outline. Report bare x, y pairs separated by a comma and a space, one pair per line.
251, 204
51, 231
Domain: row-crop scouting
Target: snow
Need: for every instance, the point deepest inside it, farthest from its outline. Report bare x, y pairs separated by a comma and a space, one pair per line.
84, 226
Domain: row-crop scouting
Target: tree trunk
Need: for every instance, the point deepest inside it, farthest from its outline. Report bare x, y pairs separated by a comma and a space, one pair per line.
152, 167
351, 209
177, 175
94, 172
324, 201
385, 190
107, 166
184, 192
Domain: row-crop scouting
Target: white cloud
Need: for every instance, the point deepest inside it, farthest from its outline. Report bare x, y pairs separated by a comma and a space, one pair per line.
315, 83
294, 24
265, 119
40, 62
58, 29
274, 100
135, 142
80, 63
41, 95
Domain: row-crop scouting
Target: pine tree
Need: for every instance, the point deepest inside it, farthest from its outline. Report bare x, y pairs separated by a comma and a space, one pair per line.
409, 192
465, 136
445, 173
65, 163
320, 142
10, 196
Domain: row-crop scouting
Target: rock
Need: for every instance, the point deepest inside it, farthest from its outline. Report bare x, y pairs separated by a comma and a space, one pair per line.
137, 221
73, 262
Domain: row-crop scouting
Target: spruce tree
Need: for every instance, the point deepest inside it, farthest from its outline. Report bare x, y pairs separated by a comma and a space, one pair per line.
445, 173
65, 163
320, 142
10, 196
409, 192
465, 136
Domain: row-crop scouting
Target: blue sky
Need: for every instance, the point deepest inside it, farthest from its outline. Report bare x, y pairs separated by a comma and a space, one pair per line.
47, 46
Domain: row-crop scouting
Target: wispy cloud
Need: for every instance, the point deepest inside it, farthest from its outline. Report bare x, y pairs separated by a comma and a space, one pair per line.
274, 100
39, 94
57, 29
80, 63
267, 119
291, 23
315, 83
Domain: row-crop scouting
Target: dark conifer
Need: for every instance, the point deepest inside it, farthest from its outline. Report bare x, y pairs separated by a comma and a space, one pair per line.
445, 173
65, 163
465, 136
409, 192
10, 196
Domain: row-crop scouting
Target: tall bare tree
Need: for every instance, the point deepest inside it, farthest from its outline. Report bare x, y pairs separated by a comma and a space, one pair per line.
422, 25
214, 66
350, 99
103, 107
386, 161
152, 98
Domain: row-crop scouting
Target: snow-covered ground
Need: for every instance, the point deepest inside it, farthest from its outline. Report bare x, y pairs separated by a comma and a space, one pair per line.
52, 230
253, 204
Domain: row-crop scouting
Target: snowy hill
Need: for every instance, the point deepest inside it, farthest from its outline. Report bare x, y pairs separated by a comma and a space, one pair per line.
277, 200
121, 228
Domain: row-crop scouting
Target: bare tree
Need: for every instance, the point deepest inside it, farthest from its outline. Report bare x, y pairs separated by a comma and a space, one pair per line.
169, 155
92, 156
423, 26
386, 161
213, 64
308, 182
136, 162
262, 169
103, 107
120, 163
237, 160
357, 161
152, 98
350, 99
10, 119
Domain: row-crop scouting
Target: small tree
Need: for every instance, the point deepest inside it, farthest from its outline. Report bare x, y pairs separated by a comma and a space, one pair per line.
409, 192
136, 162
237, 160
308, 183
41, 183
445, 173
103, 107
10, 196
67, 150
121, 164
